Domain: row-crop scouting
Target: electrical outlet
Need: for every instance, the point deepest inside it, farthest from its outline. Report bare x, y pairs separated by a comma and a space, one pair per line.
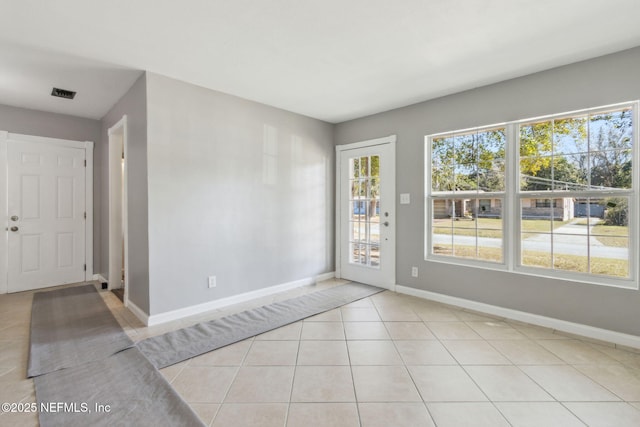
212, 281
414, 271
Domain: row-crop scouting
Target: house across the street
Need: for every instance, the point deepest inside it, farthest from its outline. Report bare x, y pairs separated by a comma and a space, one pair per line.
560, 209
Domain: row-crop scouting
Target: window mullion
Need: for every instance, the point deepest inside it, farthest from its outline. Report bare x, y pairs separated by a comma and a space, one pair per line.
634, 214
511, 227
428, 207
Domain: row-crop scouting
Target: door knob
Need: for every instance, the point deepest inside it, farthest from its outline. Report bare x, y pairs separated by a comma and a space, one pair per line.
14, 218
386, 223
14, 228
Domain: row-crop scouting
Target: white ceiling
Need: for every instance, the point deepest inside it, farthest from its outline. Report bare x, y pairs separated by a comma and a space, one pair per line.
330, 59
27, 76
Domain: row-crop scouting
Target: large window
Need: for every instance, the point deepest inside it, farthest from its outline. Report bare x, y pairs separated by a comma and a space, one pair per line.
467, 193
582, 165
567, 204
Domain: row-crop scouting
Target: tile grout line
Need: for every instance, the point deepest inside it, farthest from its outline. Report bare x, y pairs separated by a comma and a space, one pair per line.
353, 381
293, 379
466, 372
235, 376
413, 381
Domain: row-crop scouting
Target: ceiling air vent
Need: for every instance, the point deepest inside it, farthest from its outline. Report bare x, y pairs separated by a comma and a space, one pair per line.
62, 93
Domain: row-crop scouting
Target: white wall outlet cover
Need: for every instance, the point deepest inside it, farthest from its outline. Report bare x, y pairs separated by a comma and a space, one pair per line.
414, 271
212, 281
405, 198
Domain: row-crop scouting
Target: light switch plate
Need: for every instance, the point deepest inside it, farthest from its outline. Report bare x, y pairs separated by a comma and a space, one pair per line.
405, 198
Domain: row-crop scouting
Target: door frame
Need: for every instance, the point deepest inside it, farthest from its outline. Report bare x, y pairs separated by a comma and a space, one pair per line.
87, 146
391, 140
118, 230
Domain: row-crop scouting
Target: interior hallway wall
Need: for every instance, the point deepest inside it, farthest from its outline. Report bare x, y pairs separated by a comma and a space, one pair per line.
134, 105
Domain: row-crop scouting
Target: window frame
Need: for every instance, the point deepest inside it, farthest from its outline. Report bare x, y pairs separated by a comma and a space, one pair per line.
477, 196
512, 196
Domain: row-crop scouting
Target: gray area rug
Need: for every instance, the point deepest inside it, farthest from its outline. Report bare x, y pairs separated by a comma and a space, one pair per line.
135, 392
70, 327
82, 359
176, 346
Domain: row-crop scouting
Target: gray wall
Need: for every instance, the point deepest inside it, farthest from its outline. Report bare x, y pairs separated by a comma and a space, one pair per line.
40, 123
605, 80
237, 189
134, 105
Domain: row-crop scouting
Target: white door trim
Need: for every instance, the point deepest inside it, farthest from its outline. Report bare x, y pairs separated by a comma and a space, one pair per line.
4, 207
4, 213
118, 230
391, 139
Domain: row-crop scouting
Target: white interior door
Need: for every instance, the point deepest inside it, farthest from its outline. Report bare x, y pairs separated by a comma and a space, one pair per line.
46, 210
366, 203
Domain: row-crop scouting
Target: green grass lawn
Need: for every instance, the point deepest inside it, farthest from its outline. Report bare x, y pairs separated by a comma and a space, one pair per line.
608, 235
611, 235
540, 225
602, 266
485, 254
490, 227
487, 227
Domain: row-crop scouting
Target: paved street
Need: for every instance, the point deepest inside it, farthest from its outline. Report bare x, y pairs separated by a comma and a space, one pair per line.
569, 239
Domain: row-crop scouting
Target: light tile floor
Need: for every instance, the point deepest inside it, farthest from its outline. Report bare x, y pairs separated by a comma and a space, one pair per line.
387, 360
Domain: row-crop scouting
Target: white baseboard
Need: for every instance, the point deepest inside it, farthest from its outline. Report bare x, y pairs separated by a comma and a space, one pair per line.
534, 319
100, 278
324, 276
138, 312
181, 313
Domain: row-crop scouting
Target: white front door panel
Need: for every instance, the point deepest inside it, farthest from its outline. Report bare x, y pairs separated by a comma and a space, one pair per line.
46, 209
